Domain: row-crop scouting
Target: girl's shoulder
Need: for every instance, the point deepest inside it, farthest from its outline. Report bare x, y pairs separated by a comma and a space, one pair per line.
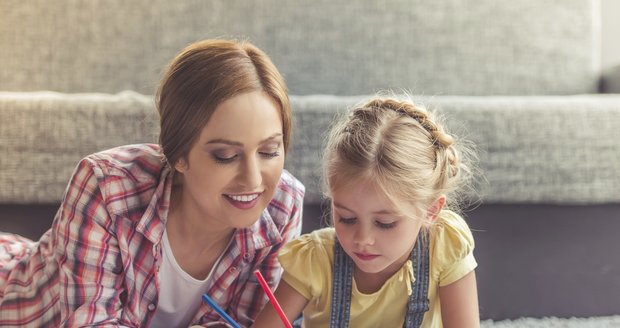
317, 245
452, 245
307, 262
452, 226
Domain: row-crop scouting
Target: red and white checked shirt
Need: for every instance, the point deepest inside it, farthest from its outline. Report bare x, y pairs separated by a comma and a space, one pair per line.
98, 263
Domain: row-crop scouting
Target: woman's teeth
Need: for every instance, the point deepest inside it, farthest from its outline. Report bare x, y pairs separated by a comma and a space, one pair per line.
243, 198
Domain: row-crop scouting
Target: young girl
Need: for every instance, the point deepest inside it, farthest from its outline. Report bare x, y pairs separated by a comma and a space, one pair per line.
396, 256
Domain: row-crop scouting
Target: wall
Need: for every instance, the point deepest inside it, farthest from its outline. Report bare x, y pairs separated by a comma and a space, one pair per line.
611, 30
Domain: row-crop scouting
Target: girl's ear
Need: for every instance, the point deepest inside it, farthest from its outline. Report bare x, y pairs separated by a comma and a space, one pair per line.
436, 207
181, 165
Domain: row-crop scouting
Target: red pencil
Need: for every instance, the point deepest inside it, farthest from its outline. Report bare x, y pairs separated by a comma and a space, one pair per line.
272, 299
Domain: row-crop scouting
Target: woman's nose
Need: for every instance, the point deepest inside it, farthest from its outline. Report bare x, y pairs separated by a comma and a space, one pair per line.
251, 174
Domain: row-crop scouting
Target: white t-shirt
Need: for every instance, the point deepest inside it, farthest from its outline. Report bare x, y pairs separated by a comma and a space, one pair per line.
180, 294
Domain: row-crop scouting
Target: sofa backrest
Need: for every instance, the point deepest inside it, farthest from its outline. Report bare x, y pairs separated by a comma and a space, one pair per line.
448, 47
553, 149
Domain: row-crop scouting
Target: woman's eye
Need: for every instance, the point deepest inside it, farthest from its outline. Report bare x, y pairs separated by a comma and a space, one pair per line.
348, 221
224, 159
383, 225
270, 154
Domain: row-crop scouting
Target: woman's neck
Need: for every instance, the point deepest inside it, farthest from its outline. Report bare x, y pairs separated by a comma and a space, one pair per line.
186, 222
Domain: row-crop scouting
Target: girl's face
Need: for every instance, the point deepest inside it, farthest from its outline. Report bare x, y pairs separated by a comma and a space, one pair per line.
372, 233
232, 171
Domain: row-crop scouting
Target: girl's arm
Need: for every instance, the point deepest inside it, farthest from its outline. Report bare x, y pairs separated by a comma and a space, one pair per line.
459, 303
292, 303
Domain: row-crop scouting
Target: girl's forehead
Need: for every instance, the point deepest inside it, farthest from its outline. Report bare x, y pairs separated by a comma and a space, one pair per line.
371, 195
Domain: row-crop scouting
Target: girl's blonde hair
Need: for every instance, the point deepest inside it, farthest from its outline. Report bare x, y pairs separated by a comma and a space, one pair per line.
400, 147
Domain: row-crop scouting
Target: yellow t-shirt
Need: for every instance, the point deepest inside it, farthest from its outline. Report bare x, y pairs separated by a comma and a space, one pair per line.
307, 263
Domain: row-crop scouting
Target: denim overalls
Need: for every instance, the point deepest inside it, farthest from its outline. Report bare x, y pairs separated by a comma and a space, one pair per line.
342, 281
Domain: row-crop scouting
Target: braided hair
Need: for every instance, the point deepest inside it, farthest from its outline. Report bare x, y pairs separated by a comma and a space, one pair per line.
401, 147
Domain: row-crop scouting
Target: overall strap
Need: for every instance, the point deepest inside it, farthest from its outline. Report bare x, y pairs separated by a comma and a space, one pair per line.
342, 275
418, 300
342, 279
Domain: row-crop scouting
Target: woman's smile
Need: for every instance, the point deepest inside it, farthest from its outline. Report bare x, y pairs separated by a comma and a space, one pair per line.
243, 202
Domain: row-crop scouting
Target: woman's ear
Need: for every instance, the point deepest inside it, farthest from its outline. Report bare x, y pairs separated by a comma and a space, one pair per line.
181, 165
436, 207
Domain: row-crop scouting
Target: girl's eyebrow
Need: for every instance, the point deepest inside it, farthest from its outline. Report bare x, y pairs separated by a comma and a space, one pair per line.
387, 212
239, 144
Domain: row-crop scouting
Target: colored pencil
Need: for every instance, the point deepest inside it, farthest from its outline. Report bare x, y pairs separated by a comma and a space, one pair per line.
220, 311
272, 299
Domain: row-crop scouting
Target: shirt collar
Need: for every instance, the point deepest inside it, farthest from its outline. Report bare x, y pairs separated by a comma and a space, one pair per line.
263, 233
153, 221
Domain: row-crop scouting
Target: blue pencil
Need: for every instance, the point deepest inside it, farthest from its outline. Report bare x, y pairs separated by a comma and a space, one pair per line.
219, 310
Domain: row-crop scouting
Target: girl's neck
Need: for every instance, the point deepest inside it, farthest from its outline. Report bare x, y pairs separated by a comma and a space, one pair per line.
368, 283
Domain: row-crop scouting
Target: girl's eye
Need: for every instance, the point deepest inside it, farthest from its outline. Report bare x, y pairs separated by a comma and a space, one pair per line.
348, 221
382, 225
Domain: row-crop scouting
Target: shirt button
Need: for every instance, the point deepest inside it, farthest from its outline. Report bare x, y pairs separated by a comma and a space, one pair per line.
151, 307
232, 269
247, 256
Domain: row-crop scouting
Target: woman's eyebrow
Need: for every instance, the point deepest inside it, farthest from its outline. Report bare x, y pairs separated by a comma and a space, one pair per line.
240, 144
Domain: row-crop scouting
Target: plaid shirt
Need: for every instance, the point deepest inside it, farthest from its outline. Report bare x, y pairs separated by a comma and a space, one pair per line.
98, 263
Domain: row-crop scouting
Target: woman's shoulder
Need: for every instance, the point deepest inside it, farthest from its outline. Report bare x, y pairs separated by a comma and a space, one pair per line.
290, 186
287, 201
138, 161
127, 176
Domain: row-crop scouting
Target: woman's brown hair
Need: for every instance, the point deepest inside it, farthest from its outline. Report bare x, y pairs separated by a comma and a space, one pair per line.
202, 76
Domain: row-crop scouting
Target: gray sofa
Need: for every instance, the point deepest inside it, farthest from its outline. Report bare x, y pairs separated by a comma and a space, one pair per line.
521, 79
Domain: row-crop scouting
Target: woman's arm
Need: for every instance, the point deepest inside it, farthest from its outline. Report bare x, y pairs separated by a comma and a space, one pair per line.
88, 255
292, 303
459, 303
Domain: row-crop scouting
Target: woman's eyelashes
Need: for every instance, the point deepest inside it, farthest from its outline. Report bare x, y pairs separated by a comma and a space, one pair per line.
223, 158
270, 154
226, 158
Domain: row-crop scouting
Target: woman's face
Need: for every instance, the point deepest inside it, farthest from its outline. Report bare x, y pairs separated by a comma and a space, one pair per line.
232, 171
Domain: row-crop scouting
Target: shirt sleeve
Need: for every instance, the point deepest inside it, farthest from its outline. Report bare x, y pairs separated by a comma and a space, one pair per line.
88, 255
305, 262
453, 250
252, 299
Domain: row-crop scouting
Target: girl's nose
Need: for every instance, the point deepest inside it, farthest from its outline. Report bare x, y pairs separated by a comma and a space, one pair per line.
363, 236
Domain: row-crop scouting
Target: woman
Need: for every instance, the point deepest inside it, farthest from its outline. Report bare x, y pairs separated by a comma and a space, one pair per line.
144, 230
